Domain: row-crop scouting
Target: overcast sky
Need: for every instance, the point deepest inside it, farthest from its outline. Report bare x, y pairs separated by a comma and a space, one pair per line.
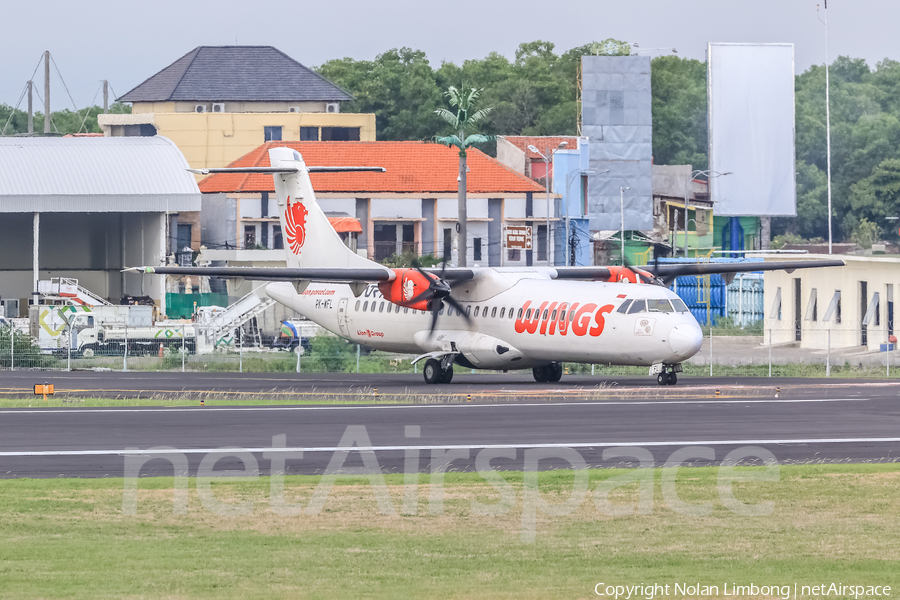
128, 42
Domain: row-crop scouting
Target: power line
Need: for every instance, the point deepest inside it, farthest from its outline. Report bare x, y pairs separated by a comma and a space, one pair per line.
87, 111
13, 111
65, 87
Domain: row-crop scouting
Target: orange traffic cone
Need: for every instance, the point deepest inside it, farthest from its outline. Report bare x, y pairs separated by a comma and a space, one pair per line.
160, 350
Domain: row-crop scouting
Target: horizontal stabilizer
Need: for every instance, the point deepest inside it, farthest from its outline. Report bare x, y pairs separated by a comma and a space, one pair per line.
273, 274
271, 170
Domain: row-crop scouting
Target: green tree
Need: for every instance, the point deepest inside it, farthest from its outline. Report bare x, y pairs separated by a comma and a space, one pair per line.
466, 118
62, 122
399, 87
680, 133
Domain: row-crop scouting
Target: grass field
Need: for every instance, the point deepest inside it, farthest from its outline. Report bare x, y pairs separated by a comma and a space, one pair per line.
70, 538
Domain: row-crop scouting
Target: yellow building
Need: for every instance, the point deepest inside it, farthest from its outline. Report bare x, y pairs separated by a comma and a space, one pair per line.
216, 103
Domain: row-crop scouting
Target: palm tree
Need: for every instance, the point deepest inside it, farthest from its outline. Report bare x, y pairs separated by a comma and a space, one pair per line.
466, 117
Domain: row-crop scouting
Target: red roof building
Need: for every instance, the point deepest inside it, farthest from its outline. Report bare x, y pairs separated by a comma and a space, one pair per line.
411, 207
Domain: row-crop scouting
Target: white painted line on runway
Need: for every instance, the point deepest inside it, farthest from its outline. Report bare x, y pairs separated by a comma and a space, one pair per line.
226, 451
87, 410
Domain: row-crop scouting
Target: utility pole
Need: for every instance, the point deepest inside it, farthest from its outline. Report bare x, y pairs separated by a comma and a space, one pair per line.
30, 109
105, 97
46, 91
828, 125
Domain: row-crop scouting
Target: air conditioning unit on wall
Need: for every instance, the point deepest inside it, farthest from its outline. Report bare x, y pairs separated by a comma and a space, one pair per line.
218, 107
294, 109
200, 108
333, 107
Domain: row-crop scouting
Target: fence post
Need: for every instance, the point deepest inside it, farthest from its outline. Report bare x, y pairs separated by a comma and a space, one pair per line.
710, 347
241, 350
68, 345
770, 353
888, 352
828, 356
125, 354
182, 347
357, 358
12, 347
297, 350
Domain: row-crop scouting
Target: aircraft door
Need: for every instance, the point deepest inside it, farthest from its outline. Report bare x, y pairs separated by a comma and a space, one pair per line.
343, 317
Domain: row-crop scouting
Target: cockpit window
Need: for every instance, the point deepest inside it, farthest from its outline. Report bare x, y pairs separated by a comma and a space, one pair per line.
637, 306
659, 305
679, 305
624, 307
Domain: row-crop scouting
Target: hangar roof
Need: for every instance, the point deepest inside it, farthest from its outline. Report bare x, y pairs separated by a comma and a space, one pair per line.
112, 174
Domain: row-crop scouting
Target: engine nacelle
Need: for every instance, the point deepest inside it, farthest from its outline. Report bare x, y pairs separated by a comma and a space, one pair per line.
407, 284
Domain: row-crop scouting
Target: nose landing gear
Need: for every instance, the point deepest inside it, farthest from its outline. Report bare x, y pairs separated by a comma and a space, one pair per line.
666, 374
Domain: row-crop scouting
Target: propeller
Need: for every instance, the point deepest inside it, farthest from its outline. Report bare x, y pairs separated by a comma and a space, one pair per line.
437, 293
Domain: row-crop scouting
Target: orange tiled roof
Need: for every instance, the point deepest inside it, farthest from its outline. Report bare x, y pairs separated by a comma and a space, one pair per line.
345, 224
541, 143
412, 167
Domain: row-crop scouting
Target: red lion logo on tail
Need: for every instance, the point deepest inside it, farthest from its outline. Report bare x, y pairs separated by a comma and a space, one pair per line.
295, 218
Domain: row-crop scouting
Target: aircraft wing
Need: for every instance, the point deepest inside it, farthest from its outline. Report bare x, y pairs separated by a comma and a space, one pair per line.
669, 271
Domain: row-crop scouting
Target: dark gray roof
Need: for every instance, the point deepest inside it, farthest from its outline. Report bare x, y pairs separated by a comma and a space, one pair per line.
236, 73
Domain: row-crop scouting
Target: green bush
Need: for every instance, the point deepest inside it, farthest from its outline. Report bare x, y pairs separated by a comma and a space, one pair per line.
22, 351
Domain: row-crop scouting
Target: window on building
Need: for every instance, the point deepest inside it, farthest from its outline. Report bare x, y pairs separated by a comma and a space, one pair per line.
477, 250
542, 242
584, 194
309, 134
340, 134
448, 243
249, 236
273, 134
277, 238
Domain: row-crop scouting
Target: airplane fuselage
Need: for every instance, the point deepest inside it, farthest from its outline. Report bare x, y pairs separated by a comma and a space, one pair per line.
529, 322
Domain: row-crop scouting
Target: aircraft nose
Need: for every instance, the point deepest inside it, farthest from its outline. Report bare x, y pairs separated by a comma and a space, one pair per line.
685, 340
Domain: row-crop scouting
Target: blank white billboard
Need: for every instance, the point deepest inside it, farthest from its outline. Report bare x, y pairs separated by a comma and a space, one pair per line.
751, 129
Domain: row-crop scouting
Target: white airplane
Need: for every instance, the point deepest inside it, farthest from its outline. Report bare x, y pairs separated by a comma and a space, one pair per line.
484, 317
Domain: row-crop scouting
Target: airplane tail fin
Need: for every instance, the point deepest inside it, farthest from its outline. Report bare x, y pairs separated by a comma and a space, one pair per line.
309, 238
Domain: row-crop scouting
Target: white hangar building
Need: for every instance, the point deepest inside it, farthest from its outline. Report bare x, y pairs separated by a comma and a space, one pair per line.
84, 208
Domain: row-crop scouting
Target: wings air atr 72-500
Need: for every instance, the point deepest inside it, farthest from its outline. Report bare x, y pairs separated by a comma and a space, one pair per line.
483, 317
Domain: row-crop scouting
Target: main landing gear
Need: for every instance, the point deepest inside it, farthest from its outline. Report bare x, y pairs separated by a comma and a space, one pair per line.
548, 374
667, 375
436, 372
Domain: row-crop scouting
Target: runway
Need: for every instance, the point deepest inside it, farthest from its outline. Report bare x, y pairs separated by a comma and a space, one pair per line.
826, 423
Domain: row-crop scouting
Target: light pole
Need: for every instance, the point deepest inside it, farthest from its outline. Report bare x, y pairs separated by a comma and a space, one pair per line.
709, 175
622, 229
827, 120
547, 157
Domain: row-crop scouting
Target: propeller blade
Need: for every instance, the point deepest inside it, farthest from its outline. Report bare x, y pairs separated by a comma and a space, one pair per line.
427, 294
435, 310
458, 308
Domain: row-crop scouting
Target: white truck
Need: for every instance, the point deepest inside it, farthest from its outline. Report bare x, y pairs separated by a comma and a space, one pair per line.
106, 330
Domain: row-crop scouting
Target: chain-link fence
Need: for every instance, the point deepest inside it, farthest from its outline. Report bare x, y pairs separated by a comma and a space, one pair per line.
81, 343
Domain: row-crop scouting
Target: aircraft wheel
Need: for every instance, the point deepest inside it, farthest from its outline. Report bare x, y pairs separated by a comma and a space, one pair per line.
432, 371
662, 379
448, 375
554, 372
673, 378
540, 374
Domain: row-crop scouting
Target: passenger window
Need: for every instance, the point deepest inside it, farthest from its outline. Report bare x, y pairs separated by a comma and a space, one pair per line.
441, 311
571, 315
356, 308
545, 314
511, 311
553, 316
405, 310
502, 312
562, 315
494, 312
637, 306
468, 310
659, 305
528, 314
365, 306
484, 313
624, 307
477, 308
381, 307
520, 314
